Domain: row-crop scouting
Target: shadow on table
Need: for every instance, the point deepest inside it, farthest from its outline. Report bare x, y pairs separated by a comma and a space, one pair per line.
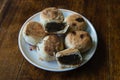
96, 64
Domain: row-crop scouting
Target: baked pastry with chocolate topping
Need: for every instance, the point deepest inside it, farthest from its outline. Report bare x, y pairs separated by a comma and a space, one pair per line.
69, 58
48, 47
52, 20
33, 32
75, 22
56, 28
51, 14
78, 39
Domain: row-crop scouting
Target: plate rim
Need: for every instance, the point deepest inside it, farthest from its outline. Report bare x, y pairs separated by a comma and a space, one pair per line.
48, 69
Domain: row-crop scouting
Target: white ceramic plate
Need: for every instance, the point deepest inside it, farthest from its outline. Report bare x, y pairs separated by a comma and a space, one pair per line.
32, 56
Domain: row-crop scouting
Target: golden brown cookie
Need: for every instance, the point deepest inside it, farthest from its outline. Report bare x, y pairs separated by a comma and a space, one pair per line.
78, 39
33, 32
48, 47
75, 22
51, 14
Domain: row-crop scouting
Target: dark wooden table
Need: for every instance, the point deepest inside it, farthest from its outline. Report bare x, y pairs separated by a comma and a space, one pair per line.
105, 16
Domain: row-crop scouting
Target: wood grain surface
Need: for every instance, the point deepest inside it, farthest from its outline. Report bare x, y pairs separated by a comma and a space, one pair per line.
104, 15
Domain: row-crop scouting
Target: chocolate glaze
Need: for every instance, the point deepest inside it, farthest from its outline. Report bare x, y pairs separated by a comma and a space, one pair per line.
73, 24
82, 36
73, 32
70, 59
80, 19
53, 26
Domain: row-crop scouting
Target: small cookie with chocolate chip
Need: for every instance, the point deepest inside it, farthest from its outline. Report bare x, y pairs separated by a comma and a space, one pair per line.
75, 22
79, 40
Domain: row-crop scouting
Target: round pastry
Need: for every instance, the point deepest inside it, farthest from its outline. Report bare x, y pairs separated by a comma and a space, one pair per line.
48, 47
33, 33
75, 22
69, 58
52, 19
78, 39
51, 14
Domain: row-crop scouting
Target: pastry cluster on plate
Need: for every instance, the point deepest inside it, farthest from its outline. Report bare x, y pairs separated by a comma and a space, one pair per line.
59, 38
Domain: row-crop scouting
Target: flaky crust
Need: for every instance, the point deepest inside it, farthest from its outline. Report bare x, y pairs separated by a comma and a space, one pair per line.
78, 39
52, 44
75, 22
68, 51
35, 30
52, 14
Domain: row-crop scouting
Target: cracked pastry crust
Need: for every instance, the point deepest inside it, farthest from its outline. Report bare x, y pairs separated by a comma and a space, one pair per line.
33, 32
78, 39
75, 22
